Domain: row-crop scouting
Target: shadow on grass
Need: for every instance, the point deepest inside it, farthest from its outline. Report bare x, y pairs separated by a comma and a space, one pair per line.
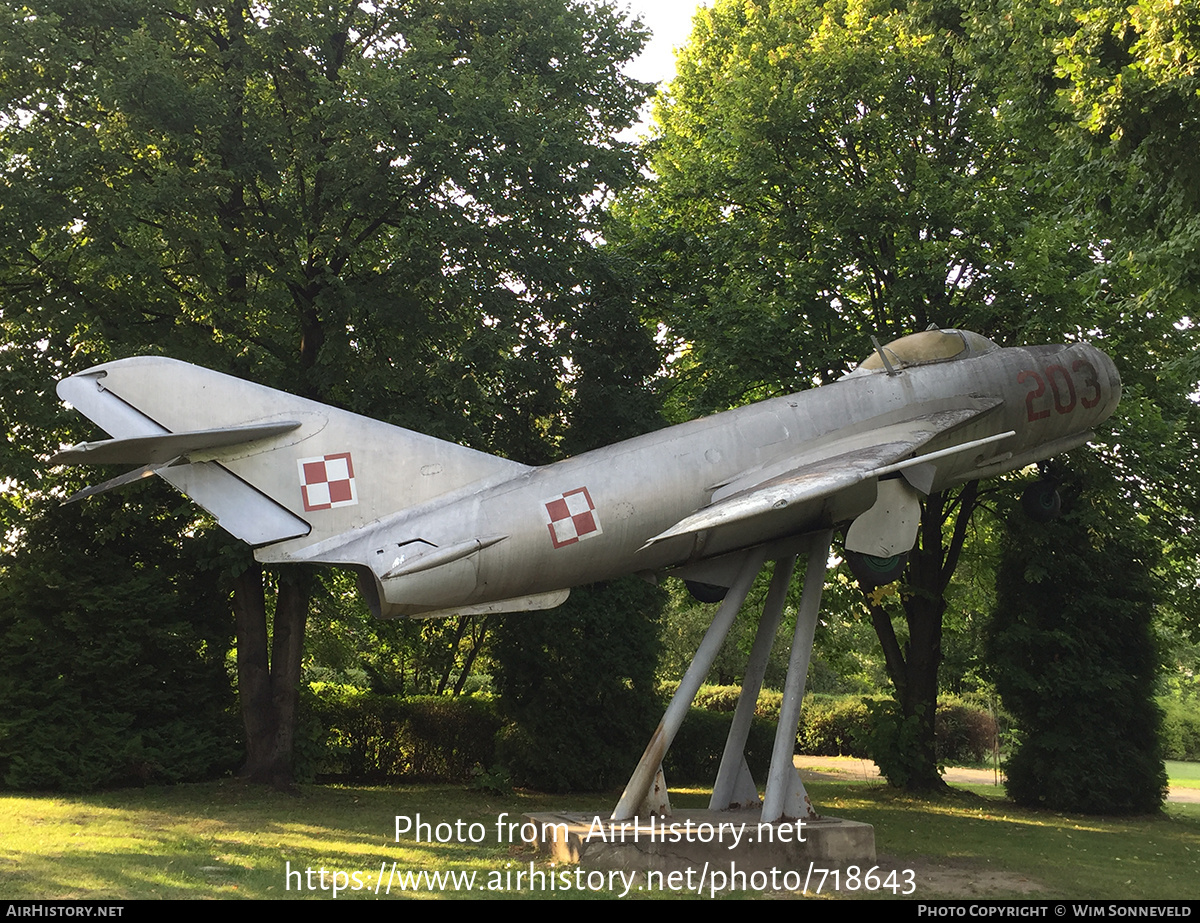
231, 840
1046, 854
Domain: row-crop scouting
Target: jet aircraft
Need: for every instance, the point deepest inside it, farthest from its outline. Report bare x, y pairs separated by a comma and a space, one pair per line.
435, 529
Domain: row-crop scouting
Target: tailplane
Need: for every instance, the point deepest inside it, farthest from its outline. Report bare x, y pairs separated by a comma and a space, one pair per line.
270, 466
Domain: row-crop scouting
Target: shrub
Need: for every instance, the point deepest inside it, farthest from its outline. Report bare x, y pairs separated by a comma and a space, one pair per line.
1074, 658
576, 687
1180, 731
963, 733
695, 755
113, 636
833, 726
373, 738
725, 699
890, 740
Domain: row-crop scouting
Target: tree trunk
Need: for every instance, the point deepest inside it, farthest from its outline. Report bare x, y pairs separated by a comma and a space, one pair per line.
475, 649
269, 689
913, 670
919, 701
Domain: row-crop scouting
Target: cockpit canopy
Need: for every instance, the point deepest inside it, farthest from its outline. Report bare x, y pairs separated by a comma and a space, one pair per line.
927, 347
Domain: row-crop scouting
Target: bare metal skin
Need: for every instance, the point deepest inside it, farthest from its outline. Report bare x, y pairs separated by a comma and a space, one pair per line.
433, 528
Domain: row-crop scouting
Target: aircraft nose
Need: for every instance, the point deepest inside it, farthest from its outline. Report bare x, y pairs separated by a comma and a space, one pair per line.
1110, 379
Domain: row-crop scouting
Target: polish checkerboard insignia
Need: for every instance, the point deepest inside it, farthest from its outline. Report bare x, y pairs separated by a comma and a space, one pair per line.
572, 517
327, 481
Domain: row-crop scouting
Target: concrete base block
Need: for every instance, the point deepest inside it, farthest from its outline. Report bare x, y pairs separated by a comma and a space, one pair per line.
723, 841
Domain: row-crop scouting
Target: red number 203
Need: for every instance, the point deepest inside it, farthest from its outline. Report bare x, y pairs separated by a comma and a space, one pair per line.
1062, 396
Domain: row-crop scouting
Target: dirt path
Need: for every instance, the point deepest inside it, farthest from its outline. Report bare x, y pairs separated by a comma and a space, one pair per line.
847, 767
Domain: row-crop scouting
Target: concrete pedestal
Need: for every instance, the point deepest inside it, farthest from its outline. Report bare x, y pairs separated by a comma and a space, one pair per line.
709, 843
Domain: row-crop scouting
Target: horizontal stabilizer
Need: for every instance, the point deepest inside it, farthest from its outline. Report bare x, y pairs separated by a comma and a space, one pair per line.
155, 450
121, 480
271, 466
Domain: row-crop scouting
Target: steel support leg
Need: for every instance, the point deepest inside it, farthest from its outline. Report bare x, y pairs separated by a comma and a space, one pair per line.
785, 793
643, 776
725, 790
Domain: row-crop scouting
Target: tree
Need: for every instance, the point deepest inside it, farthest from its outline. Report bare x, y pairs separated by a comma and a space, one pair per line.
1115, 84
577, 685
1127, 130
1074, 656
112, 649
387, 207
825, 172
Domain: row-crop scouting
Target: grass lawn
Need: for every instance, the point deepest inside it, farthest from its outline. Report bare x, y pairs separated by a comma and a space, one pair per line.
228, 840
1184, 774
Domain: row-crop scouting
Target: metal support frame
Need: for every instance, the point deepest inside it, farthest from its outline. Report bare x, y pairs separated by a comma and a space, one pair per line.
726, 790
785, 795
642, 780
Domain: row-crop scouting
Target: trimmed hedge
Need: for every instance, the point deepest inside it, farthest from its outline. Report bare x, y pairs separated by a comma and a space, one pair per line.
1180, 730
835, 725
696, 752
372, 738
360, 736
724, 699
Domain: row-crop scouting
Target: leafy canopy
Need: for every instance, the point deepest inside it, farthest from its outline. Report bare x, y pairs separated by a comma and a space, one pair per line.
828, 171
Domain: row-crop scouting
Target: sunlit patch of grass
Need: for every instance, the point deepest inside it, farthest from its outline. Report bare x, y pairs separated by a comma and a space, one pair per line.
231, 840
1183, 774
1070, 856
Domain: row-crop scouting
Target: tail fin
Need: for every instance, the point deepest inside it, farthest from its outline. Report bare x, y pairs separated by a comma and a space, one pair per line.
270, 466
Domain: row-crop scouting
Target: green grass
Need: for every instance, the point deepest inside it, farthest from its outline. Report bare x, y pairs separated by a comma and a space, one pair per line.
1065, 855
1183, 774
227, 840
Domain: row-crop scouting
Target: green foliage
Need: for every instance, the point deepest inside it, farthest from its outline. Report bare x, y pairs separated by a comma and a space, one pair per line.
493, 781
577, 687
1180, 730
376, 738
394, 657
845, 725
890, 739
312, 744
829, 171
725, 699
1115, 84
112, 652
1073, 655
390, 207
695, 756
350, 202
963, 733
833, 726
845, 657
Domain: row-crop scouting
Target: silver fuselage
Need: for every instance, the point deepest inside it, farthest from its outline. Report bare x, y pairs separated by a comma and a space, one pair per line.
1048, 397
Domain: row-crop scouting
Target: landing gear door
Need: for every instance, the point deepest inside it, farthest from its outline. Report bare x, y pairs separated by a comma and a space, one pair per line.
890, 526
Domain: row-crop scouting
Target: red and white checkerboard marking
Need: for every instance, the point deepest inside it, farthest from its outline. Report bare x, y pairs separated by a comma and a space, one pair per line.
327, 481
572, 517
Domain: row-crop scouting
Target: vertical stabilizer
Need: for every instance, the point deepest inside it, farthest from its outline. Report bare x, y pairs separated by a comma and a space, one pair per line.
302, 472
